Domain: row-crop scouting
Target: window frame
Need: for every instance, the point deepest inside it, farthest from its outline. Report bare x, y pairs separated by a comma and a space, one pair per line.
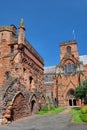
12, 48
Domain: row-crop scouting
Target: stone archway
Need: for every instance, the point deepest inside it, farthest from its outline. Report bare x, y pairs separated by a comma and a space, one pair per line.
74, 102
19, 106
71, 98
70, 102
33, 104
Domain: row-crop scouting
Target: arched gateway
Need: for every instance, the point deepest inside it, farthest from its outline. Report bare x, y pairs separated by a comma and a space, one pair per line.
70, 98
19, 106
33, 104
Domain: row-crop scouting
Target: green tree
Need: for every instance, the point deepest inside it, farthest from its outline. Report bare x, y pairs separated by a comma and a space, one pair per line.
85, 89
81, 91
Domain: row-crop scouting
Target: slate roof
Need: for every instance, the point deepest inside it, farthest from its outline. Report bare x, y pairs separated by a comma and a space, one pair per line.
49, 69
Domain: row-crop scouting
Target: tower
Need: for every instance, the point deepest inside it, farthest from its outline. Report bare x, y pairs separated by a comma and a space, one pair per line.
69, 74
21, 71
69, 48
21, 33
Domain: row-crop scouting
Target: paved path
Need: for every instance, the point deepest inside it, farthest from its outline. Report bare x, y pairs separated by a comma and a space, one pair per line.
47, 122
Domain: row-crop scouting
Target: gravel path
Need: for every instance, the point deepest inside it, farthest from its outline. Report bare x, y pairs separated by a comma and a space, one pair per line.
47, 122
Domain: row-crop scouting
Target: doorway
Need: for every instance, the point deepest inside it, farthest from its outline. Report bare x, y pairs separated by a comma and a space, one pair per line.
74, 102
19, 107
71, 98
32, 106
70, 102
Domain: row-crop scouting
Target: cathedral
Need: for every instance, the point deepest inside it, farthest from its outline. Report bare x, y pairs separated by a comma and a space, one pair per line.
21, 74
62, 79
26, 85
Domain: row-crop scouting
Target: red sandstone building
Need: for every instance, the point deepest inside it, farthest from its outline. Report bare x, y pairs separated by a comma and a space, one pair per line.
62, 80
21, 73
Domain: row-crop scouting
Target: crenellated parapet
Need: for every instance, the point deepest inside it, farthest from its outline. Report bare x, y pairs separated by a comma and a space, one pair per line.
11, 28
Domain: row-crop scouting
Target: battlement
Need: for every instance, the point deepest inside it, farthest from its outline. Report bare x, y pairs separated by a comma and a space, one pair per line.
68, 42
11, 28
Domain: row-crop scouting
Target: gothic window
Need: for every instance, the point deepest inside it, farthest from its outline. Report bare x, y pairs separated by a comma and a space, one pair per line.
69, 49
69, 68
73, 69
12, 49
7, 75
65, 69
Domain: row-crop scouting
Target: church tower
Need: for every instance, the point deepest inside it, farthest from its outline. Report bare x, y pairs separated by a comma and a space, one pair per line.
69, 73
69, 48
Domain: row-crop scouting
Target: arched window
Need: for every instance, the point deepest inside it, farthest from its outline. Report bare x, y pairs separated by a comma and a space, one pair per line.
73, 69
69, 49
69, 68
65, 69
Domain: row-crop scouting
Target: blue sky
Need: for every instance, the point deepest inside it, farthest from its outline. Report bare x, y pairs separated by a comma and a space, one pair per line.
47, 23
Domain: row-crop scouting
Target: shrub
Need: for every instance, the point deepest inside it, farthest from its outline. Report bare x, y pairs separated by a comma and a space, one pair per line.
83, 114
84, 110
83, 117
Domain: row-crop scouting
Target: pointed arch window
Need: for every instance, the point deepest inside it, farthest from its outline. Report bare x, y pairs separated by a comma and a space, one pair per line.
73, 69
69, 68
65, 69
69, 49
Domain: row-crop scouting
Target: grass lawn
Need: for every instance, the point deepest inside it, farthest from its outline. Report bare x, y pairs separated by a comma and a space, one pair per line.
52, 110
76, 115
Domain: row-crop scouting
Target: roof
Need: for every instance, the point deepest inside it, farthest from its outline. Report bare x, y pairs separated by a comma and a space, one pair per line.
50, 69
83, 58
